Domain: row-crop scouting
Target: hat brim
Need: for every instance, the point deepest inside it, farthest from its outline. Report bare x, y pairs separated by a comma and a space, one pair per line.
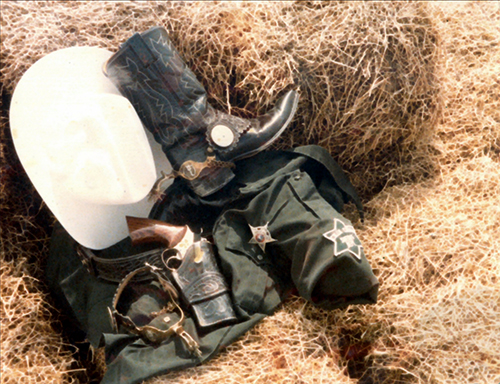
92, 224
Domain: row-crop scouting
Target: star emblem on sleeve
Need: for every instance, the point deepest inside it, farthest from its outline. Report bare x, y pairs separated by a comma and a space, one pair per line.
344, 239
261, 236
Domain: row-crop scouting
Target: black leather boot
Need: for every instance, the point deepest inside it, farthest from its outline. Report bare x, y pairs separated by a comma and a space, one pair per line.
200, 142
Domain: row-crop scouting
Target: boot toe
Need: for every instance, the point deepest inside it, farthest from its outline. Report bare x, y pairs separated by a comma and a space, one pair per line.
267, 128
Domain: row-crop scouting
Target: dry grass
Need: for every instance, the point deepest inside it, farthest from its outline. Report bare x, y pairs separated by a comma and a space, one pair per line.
406, 96
32, 351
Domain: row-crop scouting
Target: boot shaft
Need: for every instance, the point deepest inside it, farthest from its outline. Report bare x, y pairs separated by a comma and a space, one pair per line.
168, 98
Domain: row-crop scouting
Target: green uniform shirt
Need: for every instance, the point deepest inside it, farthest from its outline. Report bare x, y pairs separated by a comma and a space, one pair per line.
277, 229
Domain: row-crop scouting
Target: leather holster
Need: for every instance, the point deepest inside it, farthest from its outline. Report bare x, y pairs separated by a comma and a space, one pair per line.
202, 286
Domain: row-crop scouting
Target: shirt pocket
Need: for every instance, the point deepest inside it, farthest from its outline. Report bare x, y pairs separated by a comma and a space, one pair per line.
252, 288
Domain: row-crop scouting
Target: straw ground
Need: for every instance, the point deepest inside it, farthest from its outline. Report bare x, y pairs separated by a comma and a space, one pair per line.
405, 96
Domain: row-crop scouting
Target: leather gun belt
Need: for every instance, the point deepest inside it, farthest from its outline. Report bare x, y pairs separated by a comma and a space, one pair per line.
116, 269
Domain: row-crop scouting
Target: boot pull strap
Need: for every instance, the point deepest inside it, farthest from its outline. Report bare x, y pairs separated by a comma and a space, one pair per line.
136, 43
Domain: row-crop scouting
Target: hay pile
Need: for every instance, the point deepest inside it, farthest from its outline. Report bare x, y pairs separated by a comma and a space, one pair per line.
406, 97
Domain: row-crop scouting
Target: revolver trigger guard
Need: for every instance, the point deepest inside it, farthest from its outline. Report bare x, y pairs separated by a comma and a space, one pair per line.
176, 258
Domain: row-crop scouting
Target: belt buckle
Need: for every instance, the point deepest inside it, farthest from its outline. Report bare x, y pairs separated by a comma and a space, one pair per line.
87, 258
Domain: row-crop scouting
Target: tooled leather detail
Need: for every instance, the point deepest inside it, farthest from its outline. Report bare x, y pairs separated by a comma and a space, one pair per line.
116, 269
202, 285
209, 285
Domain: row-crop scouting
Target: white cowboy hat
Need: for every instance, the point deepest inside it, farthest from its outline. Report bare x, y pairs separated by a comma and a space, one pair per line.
83, 145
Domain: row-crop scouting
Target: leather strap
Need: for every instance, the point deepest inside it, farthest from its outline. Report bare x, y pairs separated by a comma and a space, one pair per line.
115, 270
189, 170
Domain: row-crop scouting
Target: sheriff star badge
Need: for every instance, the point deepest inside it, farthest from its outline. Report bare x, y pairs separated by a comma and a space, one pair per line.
344, 238
261, 236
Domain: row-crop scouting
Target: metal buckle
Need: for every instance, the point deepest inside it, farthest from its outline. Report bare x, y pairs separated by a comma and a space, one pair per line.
87, 259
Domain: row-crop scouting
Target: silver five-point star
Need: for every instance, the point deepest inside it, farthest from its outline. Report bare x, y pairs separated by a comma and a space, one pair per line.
261, 236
